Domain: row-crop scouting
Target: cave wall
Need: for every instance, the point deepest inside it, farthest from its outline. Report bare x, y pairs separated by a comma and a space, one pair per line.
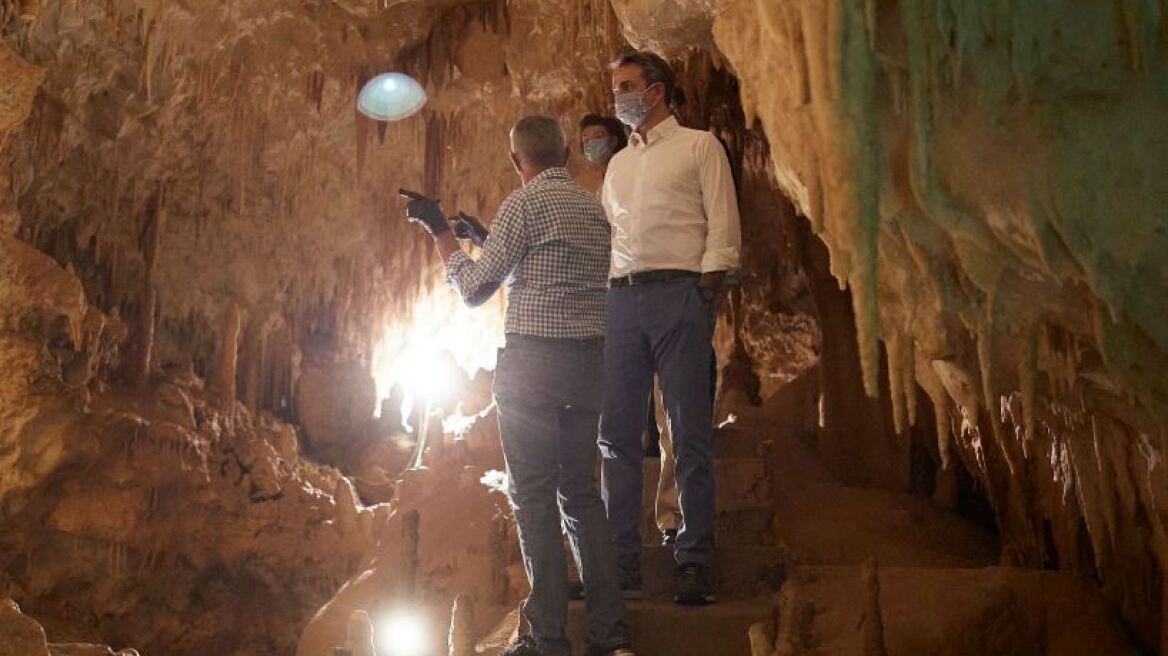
232, 127
989, 181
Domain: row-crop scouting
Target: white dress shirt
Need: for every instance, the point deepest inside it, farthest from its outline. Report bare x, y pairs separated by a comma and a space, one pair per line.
671, 202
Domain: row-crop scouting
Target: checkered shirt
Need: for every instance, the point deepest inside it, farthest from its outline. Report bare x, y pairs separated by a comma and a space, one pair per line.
550, 244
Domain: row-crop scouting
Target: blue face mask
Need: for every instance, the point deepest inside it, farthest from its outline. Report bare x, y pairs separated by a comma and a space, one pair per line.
631, 108
598, 151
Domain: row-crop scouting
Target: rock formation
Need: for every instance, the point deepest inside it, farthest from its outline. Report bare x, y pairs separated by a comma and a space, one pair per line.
954, 286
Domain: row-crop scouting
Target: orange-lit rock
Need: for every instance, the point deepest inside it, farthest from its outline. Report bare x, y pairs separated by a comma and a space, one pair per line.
953, 290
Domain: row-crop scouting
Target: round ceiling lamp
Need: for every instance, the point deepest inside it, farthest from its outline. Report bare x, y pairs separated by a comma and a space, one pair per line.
391, 97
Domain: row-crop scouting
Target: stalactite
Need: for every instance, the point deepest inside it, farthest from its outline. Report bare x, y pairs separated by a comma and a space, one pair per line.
1027, 382
896, 380
857, 80
930, 194
227, 356
149, 241
908, 368
1088, 494
316, 81
361, 134
154, 47
993, 414
942, 405
435, 147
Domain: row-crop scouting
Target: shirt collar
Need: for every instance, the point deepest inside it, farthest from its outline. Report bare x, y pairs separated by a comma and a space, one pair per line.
659, 132
551, 173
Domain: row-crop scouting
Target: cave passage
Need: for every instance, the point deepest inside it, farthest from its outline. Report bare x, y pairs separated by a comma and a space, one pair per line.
243, 412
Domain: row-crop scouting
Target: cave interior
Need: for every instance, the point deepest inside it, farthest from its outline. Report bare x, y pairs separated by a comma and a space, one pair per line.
942, 399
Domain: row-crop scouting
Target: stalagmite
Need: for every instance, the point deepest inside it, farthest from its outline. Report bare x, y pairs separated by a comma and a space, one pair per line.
348, 516
789, 631
760, 640
873, 621
227, 356
21, 80
461, 641
409, 554
360, 636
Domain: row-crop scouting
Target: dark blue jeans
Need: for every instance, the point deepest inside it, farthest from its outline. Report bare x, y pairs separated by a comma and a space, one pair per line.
663, 328
548, 393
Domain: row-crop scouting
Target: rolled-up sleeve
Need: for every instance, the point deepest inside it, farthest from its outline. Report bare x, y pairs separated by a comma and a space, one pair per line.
723, 233
477, 281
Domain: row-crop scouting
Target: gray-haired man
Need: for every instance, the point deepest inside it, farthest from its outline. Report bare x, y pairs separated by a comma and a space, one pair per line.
550, 243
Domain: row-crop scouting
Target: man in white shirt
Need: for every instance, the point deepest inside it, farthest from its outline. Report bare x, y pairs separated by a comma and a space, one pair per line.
675, 233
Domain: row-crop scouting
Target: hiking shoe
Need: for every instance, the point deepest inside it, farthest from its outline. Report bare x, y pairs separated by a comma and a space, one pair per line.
630, 584
669, 537
694, 587
619, 651
575, 590
630, 589
521, 646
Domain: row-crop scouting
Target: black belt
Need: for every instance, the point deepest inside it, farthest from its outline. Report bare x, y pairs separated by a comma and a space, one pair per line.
590, 341
650, 277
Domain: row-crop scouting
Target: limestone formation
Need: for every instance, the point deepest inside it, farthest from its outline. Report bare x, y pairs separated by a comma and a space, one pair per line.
22, 636
946, 347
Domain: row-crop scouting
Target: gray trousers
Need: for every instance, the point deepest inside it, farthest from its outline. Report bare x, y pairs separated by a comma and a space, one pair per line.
663, 328
548, 393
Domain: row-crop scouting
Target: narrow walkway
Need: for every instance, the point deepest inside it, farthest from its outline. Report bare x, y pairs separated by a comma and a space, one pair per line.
779, 509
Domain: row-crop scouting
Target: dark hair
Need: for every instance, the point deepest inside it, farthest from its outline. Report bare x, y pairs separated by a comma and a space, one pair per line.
653, 68
539, 140
610, 125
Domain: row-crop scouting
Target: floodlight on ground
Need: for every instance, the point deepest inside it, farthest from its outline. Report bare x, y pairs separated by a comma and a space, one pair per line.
401, 632
422, 372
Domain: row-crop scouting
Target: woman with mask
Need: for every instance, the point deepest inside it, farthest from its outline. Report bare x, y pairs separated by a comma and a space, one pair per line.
600, 138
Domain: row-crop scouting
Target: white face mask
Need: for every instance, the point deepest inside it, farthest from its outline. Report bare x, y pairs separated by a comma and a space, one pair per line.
599, 150
631, 108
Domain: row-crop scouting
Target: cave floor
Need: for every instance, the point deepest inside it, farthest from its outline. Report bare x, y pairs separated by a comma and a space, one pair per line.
792, 547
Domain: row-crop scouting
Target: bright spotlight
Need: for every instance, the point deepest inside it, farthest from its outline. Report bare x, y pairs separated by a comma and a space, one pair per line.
401, 633
423, 373
390, 97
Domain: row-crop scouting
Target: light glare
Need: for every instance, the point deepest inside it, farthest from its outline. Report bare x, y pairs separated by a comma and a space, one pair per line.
423, 375
401, 633
409, 355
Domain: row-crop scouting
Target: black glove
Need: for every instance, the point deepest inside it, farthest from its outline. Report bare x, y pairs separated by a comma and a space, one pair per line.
426, 211
468, 227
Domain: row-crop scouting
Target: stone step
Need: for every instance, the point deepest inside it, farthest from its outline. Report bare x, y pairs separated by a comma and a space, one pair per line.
739, 572
666, 629
734, 441
744, 504
750, 527
739, 483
